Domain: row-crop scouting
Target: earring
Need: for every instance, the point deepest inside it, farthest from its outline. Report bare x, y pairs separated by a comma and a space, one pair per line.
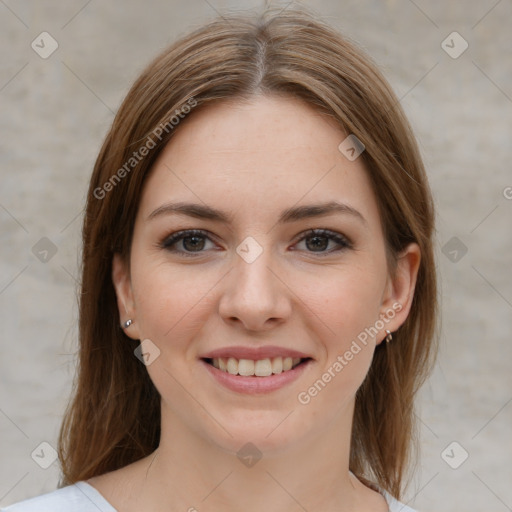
389, 336
127, 323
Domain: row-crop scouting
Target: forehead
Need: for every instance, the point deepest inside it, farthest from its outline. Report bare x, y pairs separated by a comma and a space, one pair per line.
259, 155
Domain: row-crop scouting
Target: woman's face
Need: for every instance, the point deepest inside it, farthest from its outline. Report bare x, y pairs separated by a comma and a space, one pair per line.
258, 283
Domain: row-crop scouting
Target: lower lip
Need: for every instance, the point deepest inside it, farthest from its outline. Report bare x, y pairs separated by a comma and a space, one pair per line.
256, 385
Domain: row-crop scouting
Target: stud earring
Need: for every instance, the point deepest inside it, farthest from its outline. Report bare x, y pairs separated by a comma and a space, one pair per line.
389, 336
127, 323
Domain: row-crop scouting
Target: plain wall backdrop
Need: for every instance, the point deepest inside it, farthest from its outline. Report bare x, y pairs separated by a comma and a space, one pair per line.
55, 112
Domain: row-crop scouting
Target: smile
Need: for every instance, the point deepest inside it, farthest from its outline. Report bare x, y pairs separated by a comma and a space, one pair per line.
259, 368
259, 374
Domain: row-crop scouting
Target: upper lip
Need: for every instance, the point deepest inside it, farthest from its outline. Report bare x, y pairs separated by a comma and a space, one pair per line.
254, 353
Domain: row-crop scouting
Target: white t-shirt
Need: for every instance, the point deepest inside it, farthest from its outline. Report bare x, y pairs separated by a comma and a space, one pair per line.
83, 497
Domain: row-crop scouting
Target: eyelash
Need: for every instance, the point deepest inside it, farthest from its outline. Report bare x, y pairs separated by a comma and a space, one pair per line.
171, 240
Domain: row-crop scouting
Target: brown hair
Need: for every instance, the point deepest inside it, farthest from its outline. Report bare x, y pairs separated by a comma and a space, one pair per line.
113, 418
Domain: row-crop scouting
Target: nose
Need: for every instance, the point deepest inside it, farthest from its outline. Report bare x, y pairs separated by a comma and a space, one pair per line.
255, 295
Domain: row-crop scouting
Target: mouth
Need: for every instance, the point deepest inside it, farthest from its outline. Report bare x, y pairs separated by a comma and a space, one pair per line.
256, 368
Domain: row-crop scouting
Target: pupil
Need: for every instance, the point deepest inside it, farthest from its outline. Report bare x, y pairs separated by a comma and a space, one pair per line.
319, 245
194, 245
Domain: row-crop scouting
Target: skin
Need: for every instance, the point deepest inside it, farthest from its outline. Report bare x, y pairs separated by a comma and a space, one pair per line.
253, 159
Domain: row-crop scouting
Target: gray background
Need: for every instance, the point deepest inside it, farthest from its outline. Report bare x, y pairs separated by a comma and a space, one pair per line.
56, 111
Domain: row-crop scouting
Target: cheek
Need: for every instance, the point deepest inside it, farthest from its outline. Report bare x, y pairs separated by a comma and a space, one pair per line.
169, 300
346, 307
346, 299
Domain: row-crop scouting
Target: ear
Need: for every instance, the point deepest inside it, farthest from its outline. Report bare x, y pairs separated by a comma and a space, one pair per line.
399, 290
124, 293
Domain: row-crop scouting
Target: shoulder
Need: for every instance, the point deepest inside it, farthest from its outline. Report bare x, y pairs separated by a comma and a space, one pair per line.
394, 505
79, 497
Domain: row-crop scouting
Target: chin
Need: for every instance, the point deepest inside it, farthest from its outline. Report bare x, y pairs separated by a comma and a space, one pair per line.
265, 432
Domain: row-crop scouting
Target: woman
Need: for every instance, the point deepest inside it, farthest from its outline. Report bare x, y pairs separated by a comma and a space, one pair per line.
228, 359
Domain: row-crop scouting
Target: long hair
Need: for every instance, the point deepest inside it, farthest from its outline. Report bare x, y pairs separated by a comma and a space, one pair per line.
113, 417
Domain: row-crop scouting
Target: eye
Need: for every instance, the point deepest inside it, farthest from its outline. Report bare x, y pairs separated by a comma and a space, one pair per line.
317, 240
192, 241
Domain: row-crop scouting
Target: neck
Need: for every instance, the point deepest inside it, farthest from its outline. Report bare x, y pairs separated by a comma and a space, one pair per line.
189, 472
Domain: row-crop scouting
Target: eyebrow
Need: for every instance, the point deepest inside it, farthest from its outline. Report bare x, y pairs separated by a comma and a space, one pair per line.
293, 214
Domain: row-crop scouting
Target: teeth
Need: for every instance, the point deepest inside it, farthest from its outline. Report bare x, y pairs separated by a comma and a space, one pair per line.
246, 367
263, 368
232, 366
277, 365
260, 368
